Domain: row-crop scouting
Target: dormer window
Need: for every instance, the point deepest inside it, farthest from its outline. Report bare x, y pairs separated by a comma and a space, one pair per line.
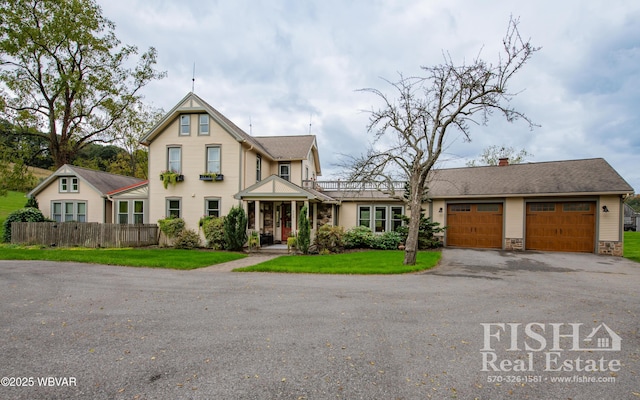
68, 185
185, 125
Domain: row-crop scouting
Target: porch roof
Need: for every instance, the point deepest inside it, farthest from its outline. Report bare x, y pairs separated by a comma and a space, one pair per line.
274, 187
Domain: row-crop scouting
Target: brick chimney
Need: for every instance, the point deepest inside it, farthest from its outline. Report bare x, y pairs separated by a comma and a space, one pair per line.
503, 161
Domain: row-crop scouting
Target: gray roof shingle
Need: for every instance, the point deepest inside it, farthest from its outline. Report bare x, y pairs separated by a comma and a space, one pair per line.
104, 181
287, 147
556, 177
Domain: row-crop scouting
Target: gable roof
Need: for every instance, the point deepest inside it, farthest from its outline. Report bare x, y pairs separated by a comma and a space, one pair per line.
291, 148
192, 103
101, 182
588, 176
275, 187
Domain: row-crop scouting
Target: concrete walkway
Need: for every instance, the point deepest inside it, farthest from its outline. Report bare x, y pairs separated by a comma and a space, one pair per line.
251, 259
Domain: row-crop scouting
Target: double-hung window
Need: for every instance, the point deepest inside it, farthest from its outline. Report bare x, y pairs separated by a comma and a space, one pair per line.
185, 125
203, 124
213, 159
123, 212
173, 208
396, 217
380, 222
174, 159
364, 216
212, 207
138, 212
285, 171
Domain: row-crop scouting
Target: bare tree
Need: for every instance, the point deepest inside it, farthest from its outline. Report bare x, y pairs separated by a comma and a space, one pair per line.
492, 155
447, 99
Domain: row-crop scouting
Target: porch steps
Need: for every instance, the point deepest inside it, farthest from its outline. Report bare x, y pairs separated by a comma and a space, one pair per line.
273, 249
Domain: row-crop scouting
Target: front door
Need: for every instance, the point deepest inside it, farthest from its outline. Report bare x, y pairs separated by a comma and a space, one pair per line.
285, 221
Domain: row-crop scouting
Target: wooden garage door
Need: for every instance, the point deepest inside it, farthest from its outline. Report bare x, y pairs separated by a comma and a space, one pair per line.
474, 225
561, 226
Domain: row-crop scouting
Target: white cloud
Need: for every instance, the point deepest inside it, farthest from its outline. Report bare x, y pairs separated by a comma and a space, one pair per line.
280, 63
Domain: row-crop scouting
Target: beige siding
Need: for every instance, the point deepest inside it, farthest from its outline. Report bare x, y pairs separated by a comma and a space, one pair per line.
192, 192
609, 222
348, 215
433, 211
95, 202
514, 218
296, 172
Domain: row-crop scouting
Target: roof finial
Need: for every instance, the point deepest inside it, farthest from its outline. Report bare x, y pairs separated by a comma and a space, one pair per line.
310, 123
250, 126
193, 79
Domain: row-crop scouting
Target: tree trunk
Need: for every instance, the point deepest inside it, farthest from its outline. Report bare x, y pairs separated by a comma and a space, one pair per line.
415, 208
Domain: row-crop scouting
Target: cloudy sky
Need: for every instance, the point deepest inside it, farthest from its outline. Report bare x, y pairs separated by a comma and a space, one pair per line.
276, 67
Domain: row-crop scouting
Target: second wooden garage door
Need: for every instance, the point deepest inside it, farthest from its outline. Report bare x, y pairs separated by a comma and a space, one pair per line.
474, 225
566, 226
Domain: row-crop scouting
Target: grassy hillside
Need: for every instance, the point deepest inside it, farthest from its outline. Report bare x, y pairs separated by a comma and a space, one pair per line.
11, 202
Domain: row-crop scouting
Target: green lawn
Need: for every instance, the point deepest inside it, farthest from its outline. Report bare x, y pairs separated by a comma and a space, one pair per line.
9, 203
154, 258
632, 246
360, 263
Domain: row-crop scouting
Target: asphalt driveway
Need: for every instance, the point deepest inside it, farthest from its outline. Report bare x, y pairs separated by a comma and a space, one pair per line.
483, 324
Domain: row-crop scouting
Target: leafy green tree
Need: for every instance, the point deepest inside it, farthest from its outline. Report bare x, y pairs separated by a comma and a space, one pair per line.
304, 231
129, 130
492, 155
235, 228
634, 202
66, 74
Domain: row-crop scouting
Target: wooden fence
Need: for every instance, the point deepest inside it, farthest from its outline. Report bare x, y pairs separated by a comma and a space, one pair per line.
83, 234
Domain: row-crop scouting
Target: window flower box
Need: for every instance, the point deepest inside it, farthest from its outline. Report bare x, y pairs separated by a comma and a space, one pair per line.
210, 176
170, 177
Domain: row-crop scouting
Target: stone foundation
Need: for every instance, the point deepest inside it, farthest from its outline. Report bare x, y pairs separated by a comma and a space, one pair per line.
610, 248
513, 244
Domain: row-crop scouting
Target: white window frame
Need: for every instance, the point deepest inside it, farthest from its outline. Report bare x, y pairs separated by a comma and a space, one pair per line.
364, 221
287, 176
137, 213
203, 124
124, 214
172, 164
214, 166
215, 212
185, 125
67, 216
388, 220
68, 185
130, 213
169, 209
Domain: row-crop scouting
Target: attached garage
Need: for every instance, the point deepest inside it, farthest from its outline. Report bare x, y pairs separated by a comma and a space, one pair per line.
475, 225
561, 226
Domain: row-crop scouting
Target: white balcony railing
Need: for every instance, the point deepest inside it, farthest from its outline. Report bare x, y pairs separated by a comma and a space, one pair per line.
337, 186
